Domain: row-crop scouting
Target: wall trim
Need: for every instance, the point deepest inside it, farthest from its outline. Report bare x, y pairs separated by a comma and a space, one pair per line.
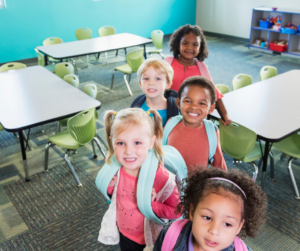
234, 38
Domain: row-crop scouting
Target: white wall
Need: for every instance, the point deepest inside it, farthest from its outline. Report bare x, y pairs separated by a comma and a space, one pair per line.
233, 17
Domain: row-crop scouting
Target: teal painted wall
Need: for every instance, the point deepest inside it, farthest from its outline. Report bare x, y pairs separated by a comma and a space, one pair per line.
25, 24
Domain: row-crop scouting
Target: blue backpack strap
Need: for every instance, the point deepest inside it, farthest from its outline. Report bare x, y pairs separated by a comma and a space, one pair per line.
212, 139
105, 175
144, 188
139, 101
169, 127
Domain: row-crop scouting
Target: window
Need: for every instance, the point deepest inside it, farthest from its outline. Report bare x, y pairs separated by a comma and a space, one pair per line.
2, 4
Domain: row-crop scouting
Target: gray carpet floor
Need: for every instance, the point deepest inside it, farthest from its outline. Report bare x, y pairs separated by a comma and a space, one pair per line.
51, 213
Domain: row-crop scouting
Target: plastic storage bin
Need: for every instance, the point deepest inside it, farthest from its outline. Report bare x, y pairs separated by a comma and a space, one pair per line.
288, 30
276, 47
265, 24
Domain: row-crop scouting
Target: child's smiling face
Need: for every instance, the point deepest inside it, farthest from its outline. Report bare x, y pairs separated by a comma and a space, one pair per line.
217, 219
195, 105
154, 83
189, 46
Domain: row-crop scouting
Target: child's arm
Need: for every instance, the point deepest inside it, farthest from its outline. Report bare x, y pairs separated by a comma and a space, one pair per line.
167, 209
219, 160
223, 112
111, 185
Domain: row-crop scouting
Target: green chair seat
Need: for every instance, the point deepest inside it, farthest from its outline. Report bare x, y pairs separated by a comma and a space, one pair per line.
223, 88
240, 81
153, 50
64, 139
157, 37
124, 68
12, 66
289, 146
255, 153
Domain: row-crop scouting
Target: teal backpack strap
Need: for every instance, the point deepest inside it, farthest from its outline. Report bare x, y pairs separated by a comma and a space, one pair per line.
212, 139
106, 174
169, 127
144, 187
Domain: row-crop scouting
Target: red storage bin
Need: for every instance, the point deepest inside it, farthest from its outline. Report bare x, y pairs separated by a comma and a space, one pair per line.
276, 47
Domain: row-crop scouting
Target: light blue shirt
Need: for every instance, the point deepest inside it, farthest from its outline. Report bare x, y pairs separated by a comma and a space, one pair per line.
162, 113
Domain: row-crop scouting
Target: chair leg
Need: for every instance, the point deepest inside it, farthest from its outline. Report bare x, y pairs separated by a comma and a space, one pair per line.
161, 55
58, 127
102, 141
255, 172
75, 67
272, 171
87, 60
112, 79
106, 56
93, 145
98, 56
100, 147
27, 140
129, 90
47, 156
72, 169
43, 128
117, 52
293, 178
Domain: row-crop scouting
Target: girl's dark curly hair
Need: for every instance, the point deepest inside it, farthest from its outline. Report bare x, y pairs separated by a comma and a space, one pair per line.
180, 33
198, 185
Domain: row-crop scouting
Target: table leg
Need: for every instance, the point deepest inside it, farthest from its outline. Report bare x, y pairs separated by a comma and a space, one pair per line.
46, 59
145, 54
265, 163
24, 156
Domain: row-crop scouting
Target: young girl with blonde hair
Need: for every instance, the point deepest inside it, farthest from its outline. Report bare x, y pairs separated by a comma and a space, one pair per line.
131, 133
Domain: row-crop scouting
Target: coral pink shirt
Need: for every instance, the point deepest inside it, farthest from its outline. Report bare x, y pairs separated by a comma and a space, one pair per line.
182, 72
193, 145
130, 220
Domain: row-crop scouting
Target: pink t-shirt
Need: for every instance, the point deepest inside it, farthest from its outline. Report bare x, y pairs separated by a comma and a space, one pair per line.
130, 220
193, 145
182, 72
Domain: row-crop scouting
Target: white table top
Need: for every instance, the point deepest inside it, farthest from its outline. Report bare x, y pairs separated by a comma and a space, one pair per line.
34, 95
93, 45
271, 108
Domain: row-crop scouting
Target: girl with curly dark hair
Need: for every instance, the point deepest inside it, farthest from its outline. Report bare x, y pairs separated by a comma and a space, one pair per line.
217, 207
189, 49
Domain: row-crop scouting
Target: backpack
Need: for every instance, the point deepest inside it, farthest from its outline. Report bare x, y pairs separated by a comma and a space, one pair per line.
210, 131
174, 231
170, 95
173, 162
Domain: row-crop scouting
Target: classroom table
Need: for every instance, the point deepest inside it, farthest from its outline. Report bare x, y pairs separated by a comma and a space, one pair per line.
270, 108
93, 46
34, 96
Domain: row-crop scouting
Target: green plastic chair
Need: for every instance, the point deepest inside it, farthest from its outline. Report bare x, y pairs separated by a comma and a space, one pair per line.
63, 69
240, 143
241, 80
134, 61
41, 62
267, 72
223, 88
82, 34
157, 37
50, 41
12, 66
81, 130
291, 147
72, 80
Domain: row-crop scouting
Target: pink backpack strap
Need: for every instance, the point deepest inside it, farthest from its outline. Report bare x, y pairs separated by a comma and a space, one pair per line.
169, 59
173, 234
203, 70
239, 245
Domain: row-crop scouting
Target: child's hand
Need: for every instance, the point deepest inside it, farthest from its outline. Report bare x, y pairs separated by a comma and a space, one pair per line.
113, 182
153, 195
226, 121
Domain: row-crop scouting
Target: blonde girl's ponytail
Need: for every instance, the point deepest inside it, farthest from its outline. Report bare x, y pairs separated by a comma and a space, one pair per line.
158, 132
109, 118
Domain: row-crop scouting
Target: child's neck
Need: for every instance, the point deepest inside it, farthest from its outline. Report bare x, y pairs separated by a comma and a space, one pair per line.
135, 172
157, 103
186, 62
187, 124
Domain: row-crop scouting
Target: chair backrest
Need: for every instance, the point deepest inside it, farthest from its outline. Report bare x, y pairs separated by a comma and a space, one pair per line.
91, 90
241, 80
157, 37
41, 59
135, 59
72, 80
236, 140
267, 72
12, 66
63, 69
83, 33
82, 126
223, 88
106, 31
52, 40
1, 127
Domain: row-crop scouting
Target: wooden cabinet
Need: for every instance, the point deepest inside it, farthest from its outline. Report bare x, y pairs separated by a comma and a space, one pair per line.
270, 35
